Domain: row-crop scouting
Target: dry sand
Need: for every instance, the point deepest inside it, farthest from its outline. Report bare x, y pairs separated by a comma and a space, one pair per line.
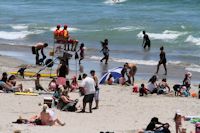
120, 110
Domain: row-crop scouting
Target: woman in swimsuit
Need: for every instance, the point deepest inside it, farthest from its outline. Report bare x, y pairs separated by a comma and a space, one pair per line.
162, 60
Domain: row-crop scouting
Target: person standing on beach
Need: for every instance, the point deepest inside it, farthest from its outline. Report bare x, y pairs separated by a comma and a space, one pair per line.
62, 71
146, 41
35, 50
88, 85
162, 60
93, 74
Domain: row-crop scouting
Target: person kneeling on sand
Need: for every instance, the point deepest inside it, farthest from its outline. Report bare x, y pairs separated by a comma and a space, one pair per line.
152, 126
48, 117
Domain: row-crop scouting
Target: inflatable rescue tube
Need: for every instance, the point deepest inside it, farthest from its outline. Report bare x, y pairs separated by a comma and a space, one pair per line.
31, 74
26, 93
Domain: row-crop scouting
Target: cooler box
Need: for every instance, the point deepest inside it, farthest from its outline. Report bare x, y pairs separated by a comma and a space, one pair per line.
48, 101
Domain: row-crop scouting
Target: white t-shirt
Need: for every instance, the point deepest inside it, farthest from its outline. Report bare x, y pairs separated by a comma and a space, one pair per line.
151, 86
89, 85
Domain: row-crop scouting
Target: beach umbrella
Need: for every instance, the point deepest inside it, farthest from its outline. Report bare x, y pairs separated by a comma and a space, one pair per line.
116, 73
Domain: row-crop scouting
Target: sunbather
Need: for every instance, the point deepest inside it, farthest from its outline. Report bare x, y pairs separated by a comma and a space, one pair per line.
47, 117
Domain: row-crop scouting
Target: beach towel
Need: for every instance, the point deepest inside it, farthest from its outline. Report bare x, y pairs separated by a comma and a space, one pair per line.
26, 93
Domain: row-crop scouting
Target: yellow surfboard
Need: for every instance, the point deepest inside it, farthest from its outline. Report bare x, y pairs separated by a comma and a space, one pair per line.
26, 93
31, 74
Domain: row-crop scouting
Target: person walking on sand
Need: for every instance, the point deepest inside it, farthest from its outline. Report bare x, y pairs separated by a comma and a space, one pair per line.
105, 51
146, 41
35, 50
82, 52
162, 60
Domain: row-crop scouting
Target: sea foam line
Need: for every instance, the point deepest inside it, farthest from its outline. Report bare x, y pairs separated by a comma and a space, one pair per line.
19, 26
17, 34
71, 29
111, 2
165, 35
193, 40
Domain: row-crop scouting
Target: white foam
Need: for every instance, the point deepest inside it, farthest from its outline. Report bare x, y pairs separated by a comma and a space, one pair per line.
127, 28
166, 35
193, 40
113, 2
194, 68
70, 29
17, 34
141, 62
19, 26
182, 26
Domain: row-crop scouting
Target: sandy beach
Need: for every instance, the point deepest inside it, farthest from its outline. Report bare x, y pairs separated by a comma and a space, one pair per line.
120, 110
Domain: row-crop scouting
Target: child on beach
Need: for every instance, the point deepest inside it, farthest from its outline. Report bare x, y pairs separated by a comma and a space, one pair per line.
74, 84
178, 121
142, 90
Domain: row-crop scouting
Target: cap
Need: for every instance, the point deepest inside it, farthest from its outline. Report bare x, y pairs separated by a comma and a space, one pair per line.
58, 26
65, 26
178, 112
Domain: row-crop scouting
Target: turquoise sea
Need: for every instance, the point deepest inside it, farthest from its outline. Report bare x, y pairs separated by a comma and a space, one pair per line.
175, 24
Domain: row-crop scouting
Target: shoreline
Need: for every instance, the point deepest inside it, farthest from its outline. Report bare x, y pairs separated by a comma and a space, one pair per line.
144, 72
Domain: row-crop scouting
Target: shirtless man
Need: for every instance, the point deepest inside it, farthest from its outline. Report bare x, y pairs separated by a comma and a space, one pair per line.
39, 47
131, 71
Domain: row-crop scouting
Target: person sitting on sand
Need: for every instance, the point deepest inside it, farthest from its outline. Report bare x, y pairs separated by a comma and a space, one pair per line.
152, 125
4, 77
152, 85
187, 80
142, 90
52, 85
110, 80
162, 86
65, 103
74, 84
38, 86
47, 117
57, 94
10, 85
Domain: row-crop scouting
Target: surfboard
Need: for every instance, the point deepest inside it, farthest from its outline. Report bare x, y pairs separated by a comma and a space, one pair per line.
26, 93
31, 74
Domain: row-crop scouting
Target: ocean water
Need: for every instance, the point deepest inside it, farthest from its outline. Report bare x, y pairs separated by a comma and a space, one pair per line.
171, 23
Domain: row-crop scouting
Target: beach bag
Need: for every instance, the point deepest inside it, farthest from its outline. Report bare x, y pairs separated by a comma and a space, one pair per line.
33, 50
